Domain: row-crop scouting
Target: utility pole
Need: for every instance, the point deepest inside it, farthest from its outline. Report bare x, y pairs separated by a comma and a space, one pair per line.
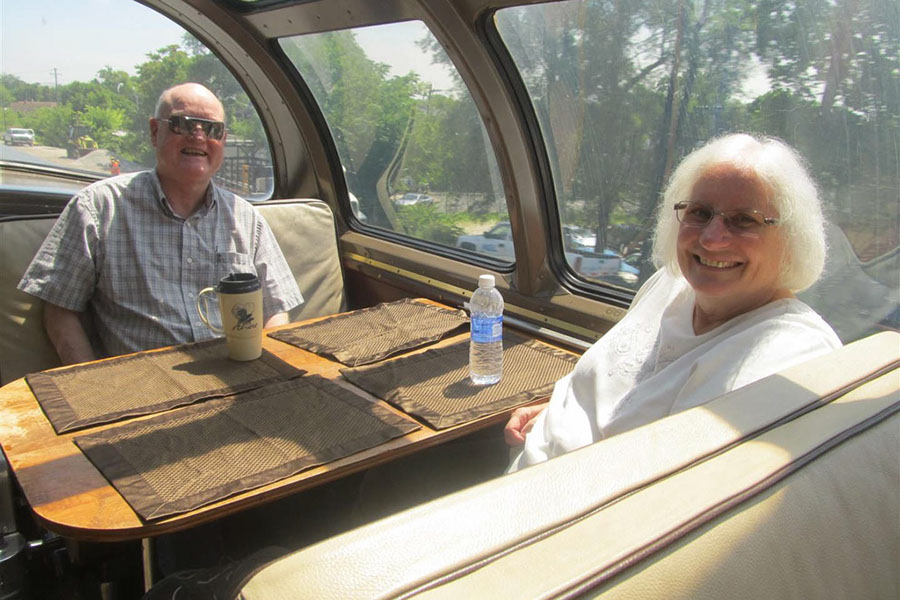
55, 72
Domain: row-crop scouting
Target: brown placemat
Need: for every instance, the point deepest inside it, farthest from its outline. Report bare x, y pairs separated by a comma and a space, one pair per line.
181, 460
370, 334
434, 385
140, 384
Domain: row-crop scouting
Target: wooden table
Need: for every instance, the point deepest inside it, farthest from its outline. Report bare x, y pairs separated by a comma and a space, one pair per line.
72, 498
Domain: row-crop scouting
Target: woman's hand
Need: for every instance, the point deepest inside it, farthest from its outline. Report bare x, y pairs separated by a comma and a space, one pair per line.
520, 423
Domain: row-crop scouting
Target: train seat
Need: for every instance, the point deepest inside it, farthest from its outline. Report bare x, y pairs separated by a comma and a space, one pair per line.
786, 488
307, 234
24, 347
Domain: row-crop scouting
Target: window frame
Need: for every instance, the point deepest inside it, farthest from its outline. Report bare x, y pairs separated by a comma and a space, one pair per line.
568, 278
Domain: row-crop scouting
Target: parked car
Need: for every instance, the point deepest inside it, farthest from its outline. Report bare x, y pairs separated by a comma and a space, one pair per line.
16, 135
579, 238
410, 199
594, 265
497, 241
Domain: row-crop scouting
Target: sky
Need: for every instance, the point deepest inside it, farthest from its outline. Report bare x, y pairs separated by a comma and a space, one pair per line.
88, 35
381, 45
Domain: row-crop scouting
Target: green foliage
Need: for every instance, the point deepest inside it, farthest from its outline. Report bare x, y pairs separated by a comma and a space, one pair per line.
426, 222
620, 90
22, 91
116, 106
103, 124
166, 67
6, 96
369, 112
51, 125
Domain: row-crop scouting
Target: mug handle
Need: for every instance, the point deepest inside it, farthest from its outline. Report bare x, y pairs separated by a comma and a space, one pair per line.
201, 304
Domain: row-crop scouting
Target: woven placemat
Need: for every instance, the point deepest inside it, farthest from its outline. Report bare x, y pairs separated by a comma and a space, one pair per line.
370, 334
140, 384
434, 385
182, 460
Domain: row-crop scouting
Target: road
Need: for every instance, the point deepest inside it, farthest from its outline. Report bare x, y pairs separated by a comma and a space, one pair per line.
18, 153
95, 162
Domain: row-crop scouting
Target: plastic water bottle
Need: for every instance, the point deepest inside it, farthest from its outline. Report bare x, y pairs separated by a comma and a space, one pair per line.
486, 344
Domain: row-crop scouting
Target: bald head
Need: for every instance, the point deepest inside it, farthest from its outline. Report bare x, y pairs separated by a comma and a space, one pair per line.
186, 156
177, 95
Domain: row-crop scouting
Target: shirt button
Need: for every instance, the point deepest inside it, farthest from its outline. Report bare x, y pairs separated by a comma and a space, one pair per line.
190, 294
190, 260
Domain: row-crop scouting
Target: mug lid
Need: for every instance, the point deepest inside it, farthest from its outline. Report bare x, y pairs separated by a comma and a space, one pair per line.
238, 283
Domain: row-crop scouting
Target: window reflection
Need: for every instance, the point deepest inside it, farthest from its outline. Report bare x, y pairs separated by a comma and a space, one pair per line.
623, 90
413, 147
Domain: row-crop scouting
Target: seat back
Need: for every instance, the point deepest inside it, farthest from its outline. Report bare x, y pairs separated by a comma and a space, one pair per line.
24, 347
305, 230
307, 234
786, 488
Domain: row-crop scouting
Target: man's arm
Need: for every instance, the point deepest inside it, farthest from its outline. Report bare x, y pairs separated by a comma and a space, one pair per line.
279, 319
67, 334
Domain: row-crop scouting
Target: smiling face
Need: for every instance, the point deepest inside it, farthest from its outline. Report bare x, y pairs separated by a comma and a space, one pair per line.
187, 161
731, 273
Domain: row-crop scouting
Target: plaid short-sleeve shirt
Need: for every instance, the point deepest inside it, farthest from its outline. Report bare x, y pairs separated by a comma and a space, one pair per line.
119, 252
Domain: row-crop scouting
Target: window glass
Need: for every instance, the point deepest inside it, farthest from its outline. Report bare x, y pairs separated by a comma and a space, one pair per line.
415, 152
84, 80
623, 90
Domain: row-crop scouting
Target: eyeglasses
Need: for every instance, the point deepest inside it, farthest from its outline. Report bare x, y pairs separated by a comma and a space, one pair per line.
182, 125
739, 222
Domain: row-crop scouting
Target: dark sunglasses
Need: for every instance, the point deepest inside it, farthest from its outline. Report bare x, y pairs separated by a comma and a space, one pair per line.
182, 125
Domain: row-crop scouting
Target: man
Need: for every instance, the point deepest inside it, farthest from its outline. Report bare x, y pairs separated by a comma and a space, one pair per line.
132, 252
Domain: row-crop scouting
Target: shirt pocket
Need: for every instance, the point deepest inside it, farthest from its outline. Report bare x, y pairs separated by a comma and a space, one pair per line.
233, 262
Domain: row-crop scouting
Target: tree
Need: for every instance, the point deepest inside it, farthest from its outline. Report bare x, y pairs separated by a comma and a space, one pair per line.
368, 111
51, 125
6, 96
104, 124
834, 66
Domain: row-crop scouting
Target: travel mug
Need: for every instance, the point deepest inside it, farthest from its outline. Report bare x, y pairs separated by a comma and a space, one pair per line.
240, 304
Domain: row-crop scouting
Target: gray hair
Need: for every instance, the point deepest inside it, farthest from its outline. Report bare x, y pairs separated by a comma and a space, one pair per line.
794, 195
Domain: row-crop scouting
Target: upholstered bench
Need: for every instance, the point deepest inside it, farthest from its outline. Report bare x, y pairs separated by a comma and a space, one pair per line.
787, 488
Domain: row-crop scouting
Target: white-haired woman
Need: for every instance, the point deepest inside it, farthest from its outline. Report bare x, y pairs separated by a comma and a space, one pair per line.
739, 231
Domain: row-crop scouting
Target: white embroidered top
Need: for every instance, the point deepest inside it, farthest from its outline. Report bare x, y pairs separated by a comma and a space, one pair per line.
650, 365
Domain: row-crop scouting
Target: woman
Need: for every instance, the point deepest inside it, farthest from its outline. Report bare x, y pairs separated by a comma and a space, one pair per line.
739, 231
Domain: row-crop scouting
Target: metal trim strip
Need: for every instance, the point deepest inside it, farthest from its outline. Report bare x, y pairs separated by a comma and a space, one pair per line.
446, 287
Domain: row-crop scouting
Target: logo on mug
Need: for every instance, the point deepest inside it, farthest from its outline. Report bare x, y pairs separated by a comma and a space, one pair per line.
244, 315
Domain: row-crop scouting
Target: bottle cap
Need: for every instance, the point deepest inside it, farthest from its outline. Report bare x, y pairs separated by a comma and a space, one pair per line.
486, 281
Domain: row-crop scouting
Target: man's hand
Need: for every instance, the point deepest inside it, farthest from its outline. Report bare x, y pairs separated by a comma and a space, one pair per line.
521, 422
67, 335
279, 319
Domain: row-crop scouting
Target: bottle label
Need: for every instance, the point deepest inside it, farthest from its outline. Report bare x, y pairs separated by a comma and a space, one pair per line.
487, 329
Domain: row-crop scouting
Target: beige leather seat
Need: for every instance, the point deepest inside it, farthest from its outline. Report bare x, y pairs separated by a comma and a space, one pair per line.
305, 229
307, 234
24, 347
787, 488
